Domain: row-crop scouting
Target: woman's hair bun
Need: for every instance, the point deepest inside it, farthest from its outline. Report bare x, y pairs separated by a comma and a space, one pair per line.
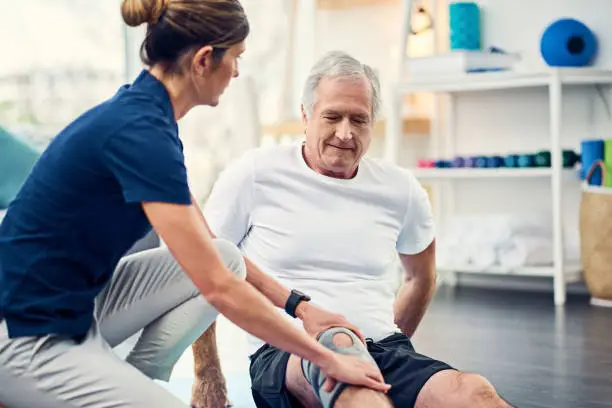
137, 12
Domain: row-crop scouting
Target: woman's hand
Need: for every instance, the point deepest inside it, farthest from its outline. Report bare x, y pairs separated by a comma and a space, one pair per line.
316, 320
352, 370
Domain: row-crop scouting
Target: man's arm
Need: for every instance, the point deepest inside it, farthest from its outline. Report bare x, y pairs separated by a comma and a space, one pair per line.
417, 290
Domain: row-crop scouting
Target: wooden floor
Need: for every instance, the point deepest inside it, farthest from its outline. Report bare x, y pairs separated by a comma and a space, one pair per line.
536, 355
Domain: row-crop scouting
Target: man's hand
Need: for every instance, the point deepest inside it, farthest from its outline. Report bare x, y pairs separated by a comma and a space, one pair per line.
316, 320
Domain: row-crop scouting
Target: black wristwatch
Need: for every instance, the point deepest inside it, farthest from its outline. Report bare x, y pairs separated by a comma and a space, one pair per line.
294, 300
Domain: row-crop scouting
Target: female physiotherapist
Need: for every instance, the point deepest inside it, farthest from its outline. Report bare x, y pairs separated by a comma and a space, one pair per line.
118, 169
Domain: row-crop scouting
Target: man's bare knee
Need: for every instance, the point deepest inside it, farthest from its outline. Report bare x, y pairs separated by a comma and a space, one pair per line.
474, 390
343, 340
454, 389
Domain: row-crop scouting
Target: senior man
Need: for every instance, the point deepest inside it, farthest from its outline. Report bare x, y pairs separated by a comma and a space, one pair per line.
323, 220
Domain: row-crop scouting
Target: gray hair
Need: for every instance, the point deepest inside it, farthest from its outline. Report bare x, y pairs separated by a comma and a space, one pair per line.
337, 64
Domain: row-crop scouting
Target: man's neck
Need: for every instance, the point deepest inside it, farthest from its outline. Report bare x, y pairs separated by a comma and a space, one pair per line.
348, 174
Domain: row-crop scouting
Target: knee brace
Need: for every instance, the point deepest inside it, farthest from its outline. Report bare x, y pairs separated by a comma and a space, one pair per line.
313, 374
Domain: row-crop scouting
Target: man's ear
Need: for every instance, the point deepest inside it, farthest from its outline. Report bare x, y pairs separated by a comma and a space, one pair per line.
304, 117
202, 61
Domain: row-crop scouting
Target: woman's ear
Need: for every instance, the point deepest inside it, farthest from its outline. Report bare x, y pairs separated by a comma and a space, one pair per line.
202, 61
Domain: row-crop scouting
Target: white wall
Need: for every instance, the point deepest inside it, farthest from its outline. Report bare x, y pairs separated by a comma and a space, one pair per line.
495, 122
517, 121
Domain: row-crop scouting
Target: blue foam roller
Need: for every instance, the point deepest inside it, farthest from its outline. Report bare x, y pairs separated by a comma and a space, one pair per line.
591, 151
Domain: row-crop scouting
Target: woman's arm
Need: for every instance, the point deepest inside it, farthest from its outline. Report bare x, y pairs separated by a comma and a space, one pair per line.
190, 243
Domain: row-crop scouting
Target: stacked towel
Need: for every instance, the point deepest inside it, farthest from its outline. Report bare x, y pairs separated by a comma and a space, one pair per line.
525, 251
505, 240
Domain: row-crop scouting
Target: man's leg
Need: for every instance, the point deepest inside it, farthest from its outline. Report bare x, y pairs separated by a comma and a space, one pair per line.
209, 388
423, 382
354, 397
453, 389
278, 379
150, 291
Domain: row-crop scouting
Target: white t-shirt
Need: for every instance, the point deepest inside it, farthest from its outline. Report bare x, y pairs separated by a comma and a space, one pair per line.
335, 239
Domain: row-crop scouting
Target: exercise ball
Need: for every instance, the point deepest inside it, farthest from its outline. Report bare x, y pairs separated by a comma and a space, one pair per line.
568, 43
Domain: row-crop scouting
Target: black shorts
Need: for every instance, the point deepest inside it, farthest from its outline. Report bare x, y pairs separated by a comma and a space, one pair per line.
401, 366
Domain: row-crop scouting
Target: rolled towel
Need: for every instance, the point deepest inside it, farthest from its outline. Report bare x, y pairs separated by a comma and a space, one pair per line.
502, 227
482, 257
451, 255
525, 251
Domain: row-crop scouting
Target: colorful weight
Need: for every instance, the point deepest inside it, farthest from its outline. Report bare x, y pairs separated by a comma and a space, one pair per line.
426, 164
458, 162
480, 162
542, 159
495, 161
511, 160
443, 164
570, 158
525, 160
470, 162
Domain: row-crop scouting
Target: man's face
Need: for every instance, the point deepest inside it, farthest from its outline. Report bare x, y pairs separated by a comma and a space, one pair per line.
339, 131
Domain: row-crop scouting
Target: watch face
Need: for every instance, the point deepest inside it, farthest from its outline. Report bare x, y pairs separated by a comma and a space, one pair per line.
301, 294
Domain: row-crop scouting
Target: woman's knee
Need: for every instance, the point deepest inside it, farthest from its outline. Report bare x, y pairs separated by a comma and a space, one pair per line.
232, 257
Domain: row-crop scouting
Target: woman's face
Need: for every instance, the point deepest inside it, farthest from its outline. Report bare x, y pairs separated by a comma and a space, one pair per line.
210, 81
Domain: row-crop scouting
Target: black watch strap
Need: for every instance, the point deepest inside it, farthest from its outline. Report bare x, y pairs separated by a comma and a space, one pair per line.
294, 300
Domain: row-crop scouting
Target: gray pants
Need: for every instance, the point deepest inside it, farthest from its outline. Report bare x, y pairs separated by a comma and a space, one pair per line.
149, 292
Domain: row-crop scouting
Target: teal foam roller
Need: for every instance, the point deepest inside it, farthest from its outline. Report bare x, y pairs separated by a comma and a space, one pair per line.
464, 20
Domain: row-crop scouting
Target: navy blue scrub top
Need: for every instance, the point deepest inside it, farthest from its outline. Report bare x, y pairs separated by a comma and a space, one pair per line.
80, 209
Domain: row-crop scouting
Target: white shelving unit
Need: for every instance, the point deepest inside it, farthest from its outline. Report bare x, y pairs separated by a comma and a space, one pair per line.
572, 272
555, 79
508, 80
469, 173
